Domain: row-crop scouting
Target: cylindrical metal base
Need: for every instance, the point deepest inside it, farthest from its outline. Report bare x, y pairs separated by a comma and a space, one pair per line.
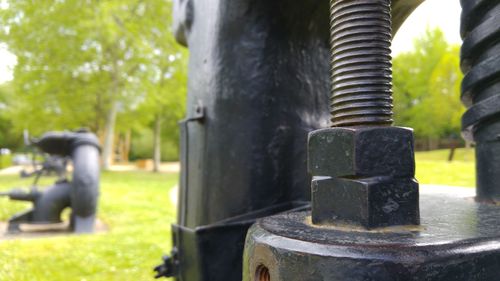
488, 162
459, 239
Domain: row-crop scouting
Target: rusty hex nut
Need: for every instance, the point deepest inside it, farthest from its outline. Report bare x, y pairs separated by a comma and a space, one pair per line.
368, 202
361, 152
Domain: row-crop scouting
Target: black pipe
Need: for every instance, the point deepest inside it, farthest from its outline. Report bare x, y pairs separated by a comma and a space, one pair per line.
83, 148
81, 193
85, 184
51, 203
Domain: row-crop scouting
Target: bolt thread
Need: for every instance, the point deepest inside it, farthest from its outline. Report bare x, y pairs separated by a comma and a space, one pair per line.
361, 68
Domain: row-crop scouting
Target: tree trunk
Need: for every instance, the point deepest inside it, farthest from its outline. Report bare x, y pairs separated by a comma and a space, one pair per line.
432, 144
109, 132
126, 148
157, 144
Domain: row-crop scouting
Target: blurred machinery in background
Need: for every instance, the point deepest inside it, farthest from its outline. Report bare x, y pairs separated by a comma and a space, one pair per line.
80, 192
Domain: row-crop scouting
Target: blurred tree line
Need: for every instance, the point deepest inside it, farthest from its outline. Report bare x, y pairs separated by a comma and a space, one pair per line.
426, 85
112, 66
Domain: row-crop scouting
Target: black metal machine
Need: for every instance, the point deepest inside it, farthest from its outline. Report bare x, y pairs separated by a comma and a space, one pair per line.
51, 165
290, 104
80, 193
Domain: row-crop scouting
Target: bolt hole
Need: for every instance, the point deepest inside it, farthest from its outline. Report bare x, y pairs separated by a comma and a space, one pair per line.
262, 273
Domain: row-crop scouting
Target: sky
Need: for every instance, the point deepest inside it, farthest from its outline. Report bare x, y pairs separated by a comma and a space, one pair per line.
444, 14
7, 62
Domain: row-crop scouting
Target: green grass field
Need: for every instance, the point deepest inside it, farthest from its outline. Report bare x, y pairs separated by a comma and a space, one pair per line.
433, 168
137, 209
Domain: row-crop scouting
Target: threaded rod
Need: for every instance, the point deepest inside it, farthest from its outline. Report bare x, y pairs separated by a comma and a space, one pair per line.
361, 63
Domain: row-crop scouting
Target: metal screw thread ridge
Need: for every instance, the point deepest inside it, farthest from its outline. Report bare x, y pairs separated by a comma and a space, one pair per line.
480, 62
361, 68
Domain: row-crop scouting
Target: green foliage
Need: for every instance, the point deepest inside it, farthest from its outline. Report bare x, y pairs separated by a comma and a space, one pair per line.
142, 145
138, 235
7, 140
427, 87
78, 60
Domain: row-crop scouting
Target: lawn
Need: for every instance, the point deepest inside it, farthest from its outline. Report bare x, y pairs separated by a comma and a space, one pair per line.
138, 211
137, 208
433, 168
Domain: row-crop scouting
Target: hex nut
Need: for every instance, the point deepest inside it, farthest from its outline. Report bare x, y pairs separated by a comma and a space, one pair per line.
368, 202
361, 152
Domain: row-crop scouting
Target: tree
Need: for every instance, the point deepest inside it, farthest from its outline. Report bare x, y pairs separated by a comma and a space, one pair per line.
7, 140
165, 81
90, 63
427, 87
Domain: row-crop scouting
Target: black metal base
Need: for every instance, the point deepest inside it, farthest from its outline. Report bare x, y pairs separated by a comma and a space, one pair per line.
207, 251
15, 222
458, 239
214, 252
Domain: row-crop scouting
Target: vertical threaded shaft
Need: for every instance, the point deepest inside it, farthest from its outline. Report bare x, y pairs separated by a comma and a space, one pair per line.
361, 63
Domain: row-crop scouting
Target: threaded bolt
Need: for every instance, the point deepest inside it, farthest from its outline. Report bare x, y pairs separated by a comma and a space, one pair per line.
361, 63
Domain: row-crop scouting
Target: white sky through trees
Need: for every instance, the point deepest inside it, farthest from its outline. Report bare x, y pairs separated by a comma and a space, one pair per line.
444, 14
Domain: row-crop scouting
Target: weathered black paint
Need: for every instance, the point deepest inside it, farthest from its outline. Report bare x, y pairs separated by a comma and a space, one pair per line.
258, 84
364, 168
457, 240
361, 152
259, 70
363, 176
368, 202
